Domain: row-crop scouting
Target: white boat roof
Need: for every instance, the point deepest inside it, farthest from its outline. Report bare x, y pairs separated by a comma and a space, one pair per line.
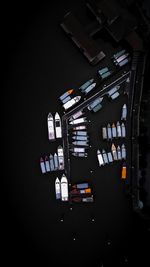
64, 179
57, 180
57, 117
79, 149
50, 116
78, 97
78, 120
59, 147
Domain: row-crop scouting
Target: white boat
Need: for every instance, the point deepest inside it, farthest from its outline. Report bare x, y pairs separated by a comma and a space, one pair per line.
124, 112
83, 127
78, 149
60, 157
72, 102
78, 121
123, 130
58, 128
64, 188
100, 158
119, 134
114, 152
50, 124
123, 151
57, 188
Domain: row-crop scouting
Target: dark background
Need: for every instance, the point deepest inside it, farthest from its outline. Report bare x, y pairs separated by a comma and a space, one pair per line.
39, 63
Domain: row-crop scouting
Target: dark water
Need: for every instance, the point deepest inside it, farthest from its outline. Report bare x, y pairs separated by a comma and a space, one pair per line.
39, 64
